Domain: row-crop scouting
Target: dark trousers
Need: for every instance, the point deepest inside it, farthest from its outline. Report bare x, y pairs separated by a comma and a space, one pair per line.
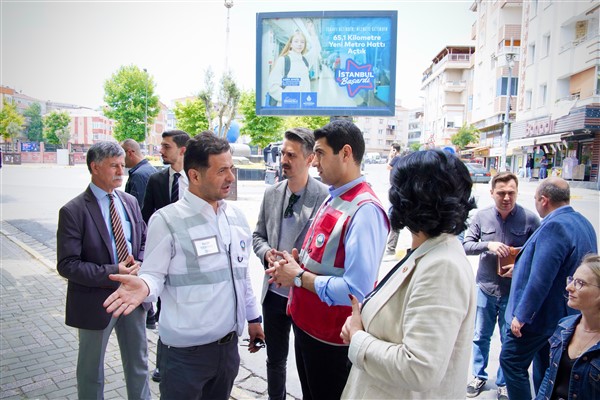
323, 368
199, 372
515, 358
277, 325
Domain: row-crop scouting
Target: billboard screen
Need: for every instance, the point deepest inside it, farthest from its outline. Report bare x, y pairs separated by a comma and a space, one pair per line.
326, 63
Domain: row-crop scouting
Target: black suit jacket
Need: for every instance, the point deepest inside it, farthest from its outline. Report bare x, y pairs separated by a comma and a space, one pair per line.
85, 256
158, 193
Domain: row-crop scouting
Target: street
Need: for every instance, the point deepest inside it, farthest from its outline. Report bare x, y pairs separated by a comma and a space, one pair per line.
32, 194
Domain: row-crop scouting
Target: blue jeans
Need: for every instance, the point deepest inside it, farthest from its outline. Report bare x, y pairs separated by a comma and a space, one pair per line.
277, 326
515, 358
490, 309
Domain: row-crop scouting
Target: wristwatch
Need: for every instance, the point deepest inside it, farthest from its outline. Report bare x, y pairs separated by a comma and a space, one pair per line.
298, 279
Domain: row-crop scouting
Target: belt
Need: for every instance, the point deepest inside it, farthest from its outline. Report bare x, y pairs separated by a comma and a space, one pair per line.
227, 338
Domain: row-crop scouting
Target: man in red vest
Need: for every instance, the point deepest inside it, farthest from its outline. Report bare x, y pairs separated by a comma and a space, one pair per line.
340, 256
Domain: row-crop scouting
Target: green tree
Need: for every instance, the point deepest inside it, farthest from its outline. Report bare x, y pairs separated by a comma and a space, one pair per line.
126, 94
11, 122
35, 124
464, 136
415, 146
310, 122
227, 100
262, 130
56, 128
191, 117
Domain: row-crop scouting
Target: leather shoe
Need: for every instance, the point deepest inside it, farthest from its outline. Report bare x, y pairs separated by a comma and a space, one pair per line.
156, 375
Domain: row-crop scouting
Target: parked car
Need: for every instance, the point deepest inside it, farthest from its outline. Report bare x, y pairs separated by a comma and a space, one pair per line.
478, 173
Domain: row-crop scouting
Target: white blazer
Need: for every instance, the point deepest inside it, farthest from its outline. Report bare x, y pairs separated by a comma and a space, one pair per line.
418, 329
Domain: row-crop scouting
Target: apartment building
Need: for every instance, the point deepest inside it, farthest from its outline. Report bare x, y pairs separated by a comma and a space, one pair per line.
380, 132
497, 35
445, 85
89, 126
415, 126
558, 109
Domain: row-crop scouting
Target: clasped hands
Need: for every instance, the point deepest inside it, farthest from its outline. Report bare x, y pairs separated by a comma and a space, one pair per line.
282, 267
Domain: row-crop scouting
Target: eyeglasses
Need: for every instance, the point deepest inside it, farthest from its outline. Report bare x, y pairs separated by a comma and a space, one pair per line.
289, 211
578, 283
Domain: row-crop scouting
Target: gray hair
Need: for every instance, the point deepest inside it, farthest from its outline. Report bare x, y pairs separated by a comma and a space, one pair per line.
101, 150
555, 190
304, 136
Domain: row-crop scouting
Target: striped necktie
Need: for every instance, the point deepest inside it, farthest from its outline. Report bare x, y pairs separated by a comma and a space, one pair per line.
175, 187
117, 228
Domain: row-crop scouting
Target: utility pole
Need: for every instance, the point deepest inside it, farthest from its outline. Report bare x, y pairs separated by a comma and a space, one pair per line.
510, 56
146, 113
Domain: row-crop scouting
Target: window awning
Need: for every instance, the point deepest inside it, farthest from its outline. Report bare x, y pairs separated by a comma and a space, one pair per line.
535, 141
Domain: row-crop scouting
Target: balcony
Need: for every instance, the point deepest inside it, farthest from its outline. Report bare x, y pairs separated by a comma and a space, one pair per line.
455, 86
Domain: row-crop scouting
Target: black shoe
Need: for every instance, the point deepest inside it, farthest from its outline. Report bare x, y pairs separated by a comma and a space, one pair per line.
475, 387
156, 375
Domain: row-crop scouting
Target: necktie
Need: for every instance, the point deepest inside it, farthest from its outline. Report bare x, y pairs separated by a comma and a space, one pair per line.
117, 228
289, 211
175, 187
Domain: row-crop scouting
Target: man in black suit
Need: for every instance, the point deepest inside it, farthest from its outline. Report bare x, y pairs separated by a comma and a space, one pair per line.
101, 232
165, 187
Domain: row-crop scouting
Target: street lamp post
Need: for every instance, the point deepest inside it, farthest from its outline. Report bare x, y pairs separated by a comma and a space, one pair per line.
228, 4
510, 56
146, 113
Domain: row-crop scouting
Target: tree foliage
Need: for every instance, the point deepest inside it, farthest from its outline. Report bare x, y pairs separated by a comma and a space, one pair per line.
415, 146
261, 129
226, 104
310, 122
11, 122
464, 136
191, 116
126, 94
56, 128
35, 124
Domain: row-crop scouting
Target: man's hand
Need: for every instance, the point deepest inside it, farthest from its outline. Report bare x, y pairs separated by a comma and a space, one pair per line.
256, 332
515, 327
499, 249
353, 323
270, 257
508, 270
285, 270
128, 265
130, 294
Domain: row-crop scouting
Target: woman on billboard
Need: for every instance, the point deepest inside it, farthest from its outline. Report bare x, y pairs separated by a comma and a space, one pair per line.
295, 66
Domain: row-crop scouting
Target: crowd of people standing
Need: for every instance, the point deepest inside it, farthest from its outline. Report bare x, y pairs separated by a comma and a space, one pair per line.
412, 334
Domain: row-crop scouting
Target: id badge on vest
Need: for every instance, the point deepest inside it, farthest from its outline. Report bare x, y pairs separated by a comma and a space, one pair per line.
206, 246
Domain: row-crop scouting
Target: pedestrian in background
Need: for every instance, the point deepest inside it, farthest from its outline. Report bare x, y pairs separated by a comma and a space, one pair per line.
493, 234
543, 168
285, 214
341, 255
536, 302
574, 370
392, 241
412, 337
101, 232
197, 261
529, 166
139, 170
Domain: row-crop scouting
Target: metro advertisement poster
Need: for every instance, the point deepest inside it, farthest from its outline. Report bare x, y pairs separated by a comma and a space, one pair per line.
326, 63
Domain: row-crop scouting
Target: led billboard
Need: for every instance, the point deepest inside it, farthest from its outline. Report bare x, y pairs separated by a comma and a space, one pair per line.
326, 63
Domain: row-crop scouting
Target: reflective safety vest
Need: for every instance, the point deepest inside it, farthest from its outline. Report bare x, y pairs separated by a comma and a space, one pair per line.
206, 296
323, 253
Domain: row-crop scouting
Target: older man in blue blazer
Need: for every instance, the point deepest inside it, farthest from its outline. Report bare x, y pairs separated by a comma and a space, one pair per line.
101, 232
537, 295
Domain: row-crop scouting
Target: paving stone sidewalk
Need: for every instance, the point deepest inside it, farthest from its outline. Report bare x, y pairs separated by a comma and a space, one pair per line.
38, 352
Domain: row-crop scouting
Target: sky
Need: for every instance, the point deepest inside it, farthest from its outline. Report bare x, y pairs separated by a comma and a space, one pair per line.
64, 51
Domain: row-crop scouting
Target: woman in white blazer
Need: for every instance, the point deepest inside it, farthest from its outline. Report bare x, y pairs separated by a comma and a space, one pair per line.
412, 338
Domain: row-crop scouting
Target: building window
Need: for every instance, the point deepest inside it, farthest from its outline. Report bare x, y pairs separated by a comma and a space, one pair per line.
380, 131
546, 45
531, 55
543, 94
502, 86
528, 95
533, 9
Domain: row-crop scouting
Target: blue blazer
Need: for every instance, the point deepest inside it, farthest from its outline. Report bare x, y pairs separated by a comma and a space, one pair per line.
552, 253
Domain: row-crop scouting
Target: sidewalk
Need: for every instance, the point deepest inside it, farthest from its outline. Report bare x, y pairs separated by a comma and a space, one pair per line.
38, 352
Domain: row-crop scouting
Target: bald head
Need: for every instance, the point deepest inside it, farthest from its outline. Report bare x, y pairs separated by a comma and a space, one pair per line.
551, 194
133, 153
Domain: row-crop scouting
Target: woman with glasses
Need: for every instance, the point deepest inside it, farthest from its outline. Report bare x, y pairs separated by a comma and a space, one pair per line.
574, 371
413, 336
